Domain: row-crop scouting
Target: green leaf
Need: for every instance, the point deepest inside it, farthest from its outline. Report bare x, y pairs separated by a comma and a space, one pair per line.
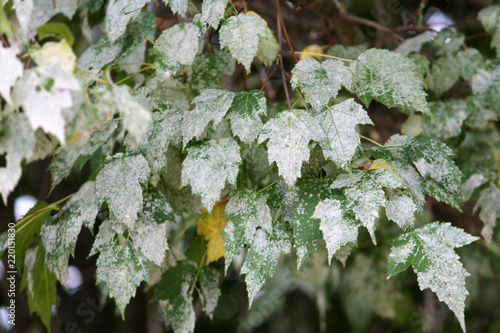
486, 85
211, 106
175, 47
262, 258
338, 137
164, 130
59, 29
208, 166
209, 282
338, 228
208, 69
469, 59
15, 148
60, 233
5, 25
289, 134
178, 6
446, 120
118, 183
28, 229
41, 283
414, 44
490, 209
389, 78
442, 178
82, 150
445, 71
320, 81
212, 11
245, 113
448, 41
135, 117
349, 52
122, 270
364, 194
480, 114
241, 35
173, 292
115, 21
490, 18
11, 69
248, 211
269, 48
430, 251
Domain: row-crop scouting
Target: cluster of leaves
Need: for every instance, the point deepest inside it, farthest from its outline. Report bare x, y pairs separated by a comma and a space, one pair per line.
169, 145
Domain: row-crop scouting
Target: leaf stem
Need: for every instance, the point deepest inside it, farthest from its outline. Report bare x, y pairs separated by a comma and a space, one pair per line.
284, 30
133, 74
268, 186
323, 55
183, 230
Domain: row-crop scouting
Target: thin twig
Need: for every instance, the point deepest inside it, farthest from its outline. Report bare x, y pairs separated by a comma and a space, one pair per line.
422, 5
323, 55
413, 28
481, 34
140, 7
268, 78
280, 60
373, 24
282, 23
284, 71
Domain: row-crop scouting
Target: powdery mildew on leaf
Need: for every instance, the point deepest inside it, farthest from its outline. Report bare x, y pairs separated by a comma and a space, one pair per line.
208, 166
339, 138
210, 289
364, 194
471, 184
115, 22
118, 183
289, 134
211, 106
164, 130
173, 292
338, 228
414, 44
150, 239
175, 47
82, 150
212, 11
269, 48
15, 148
401, 209
489, 202
320, 81
11, 69
178, 6
262, 258
122, 269
389, 78
444, 72
430, 251
490, 18
135, 117
245, 113
248, 211
446, 120
208, 69
241, 35
60, 236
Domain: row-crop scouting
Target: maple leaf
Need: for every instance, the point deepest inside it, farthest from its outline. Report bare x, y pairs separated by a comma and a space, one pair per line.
211, 228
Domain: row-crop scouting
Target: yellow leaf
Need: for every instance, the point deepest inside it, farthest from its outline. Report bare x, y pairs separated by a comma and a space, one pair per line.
377, 164
211, 229
311, 51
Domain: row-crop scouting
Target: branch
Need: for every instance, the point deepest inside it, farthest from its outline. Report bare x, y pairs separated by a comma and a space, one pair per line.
280, 60
284, 30
373, 24
140, 7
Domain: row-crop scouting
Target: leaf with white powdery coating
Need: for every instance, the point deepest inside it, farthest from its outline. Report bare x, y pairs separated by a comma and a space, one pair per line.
118, 183
11, 69
289, 134
490, 209
262, 258
175, 47
178, 6
208, 166
248, 211
430, 251
211, 106
115, 22
446, 120
241, 34
339, 229
209, 282
245, 114
338, 137
212, 11
60, 236
122, 269
269, 48
490, 18
364, 194
135, 117
320, 81
389, 78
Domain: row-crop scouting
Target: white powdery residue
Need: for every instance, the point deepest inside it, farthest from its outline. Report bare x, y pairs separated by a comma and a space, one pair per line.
151, 240
471, 184
211, 106
29, 262
401, 209
289, 134
489, 201
245, 115
208, 166
135, 117
212, 11
338, 230
241, 35
11, 69
268, 49
339, 137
